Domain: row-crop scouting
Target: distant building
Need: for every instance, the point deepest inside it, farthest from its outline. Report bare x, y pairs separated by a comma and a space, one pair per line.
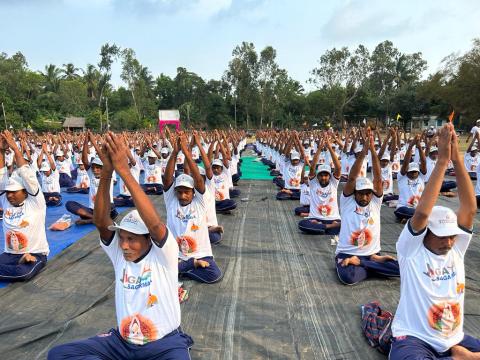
74, 123
420, 123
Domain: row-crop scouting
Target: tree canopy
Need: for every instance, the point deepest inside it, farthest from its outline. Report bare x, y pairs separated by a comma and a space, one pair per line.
254, 91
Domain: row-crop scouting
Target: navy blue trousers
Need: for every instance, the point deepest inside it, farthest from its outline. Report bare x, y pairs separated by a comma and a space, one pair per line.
284, 196
66, 181
302, 209
234, 193
11, 270
353, 274
53, 202
74, 207
152, 189
404, 212
215, 237
309, 227
412, 348
112, 346
389, 197
78, 190
123, 200
207, 275
448, 185
225, 205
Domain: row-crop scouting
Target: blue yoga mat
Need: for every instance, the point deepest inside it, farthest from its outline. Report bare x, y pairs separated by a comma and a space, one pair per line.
60, 240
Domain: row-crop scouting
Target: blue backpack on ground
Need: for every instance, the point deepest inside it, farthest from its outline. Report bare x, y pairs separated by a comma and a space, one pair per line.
377, 326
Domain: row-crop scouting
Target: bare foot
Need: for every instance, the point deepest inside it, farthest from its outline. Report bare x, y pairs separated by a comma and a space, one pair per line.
354, 260
201, 263
460, 353
27, 258
216, 229
84, 221
304, 214
381, 258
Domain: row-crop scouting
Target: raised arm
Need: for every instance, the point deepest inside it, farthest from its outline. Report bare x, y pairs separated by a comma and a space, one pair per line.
466, 195
195, 173
376, 169
156, 227
429, 196
85, 159
336, 163
423, 158
101, 210
168, 177
354, 172
205, 158
408, 156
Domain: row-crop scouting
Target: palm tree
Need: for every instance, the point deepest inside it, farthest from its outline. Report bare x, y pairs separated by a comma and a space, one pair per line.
92, 79
52, 78
70, 72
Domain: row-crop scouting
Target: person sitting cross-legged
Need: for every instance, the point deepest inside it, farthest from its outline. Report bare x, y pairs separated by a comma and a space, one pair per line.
358, 250
428, 323
143, 253
323, 217
94, 170
186, 209
24, 213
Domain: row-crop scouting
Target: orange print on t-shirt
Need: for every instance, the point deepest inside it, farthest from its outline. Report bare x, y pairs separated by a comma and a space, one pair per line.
361, 238
219, 196
16, 241
413, 200
151, 179
186, 244
444, 317
138, 329
325, 210
294, 182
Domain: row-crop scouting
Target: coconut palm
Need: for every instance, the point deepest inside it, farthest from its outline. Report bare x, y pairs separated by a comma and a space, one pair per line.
52, 78
70, 72
91, 76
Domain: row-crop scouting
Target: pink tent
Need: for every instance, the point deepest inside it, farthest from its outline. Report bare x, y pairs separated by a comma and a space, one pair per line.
168, 117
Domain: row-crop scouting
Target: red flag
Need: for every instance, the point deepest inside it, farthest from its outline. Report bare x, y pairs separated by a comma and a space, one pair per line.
450, 117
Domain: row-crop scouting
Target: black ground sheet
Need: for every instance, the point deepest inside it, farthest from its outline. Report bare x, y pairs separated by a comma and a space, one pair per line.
279, 299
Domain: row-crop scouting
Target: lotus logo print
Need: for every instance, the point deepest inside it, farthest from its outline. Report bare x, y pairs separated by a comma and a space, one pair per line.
138, 329
445, 318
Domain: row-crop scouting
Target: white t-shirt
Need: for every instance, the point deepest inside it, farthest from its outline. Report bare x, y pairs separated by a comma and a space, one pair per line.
430, 166
323, 200
431, 291
474, 130
24, 226
360, 230
94, 182
121, 185
50, 184
209, 198
387, 179
188, 225
64, 167
153, 173
304, 194
292, 175
83, 179
471, 162
222, 185
410, 191
146, 292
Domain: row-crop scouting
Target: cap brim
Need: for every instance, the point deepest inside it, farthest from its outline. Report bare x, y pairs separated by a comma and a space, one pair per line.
448, 231
126, 228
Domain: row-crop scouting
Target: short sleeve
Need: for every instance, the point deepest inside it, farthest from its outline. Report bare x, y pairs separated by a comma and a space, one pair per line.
113, 250
409, 242
169, 195
168, 252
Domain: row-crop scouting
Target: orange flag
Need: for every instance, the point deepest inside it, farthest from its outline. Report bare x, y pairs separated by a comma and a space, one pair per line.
450, 117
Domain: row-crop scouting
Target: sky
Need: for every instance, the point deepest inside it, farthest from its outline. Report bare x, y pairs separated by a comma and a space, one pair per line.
201, 34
